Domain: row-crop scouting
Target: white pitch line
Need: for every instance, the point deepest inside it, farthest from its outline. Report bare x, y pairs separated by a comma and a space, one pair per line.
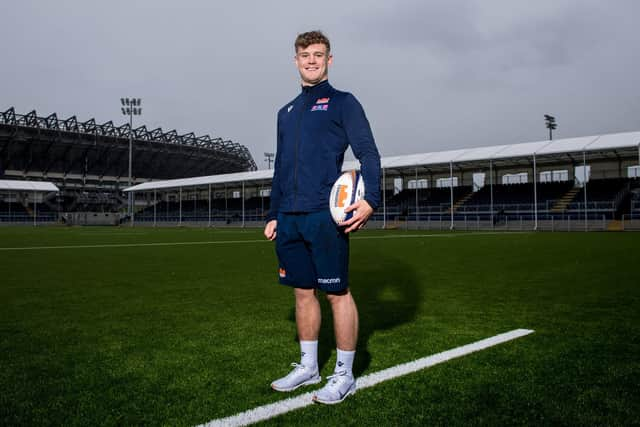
133, 245
228, 242
265, 412
409, 236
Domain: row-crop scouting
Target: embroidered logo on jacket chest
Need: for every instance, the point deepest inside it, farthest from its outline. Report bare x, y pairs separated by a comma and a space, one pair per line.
322, 104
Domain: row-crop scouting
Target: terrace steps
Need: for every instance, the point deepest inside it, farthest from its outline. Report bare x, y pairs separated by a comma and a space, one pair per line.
461, 201
615, 225
564, 201
27, 207
392, 225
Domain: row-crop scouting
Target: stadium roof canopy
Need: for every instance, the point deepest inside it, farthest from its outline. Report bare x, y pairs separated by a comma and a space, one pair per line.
13, 185
50, 147
511, 152
260, 175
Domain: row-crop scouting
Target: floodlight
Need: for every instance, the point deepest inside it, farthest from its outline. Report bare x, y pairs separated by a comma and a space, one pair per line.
131, 110
550, 122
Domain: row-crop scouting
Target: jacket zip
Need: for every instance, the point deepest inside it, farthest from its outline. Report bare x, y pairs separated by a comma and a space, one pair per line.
295, 167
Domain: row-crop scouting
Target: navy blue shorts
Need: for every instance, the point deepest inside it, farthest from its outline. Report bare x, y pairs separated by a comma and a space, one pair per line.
313, 252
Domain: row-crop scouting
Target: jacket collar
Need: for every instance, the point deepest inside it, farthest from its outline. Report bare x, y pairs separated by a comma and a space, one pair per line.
316, 89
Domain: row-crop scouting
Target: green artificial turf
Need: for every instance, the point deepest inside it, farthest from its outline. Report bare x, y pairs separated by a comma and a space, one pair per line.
178, 333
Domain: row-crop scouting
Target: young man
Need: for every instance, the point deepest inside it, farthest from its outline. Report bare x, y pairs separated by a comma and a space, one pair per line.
314, 131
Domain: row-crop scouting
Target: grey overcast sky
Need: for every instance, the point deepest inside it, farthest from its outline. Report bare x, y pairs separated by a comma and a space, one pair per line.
432, 75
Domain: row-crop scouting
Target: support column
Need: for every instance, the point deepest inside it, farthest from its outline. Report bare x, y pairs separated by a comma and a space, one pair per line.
417, 217
451, 188
535, 194
491, 192
180, 209
242, 204
384, 198
209, 224
155, 207
584, 169
261, 194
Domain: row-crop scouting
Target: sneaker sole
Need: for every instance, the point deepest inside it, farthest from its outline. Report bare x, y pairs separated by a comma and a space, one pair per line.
310, 381
351, 391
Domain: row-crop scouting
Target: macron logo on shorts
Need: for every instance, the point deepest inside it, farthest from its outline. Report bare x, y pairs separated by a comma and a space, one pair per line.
330, 281
282, 272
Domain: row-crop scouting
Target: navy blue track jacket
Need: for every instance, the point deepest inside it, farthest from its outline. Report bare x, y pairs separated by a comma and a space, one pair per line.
314, 131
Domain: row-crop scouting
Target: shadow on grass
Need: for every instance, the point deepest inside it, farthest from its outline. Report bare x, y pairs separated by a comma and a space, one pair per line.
387, 294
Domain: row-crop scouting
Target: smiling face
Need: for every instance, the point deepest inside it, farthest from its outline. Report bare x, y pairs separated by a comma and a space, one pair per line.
313, 63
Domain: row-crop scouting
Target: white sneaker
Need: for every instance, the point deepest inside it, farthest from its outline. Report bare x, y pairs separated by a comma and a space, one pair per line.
299, 376
340, 386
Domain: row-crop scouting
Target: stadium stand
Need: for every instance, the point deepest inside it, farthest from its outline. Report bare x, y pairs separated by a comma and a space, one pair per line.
227, 211
10, 209
630, 200
515, 198
430, 201
514, 201
605, 197
635, 200
88, 161
197, 179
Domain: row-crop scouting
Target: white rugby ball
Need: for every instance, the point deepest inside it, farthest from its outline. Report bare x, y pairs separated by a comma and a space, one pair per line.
348, 189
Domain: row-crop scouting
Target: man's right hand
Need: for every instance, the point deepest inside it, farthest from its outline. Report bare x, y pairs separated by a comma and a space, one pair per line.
270, 229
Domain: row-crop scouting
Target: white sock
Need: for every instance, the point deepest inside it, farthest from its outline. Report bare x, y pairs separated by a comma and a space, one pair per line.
309, 353
344, 361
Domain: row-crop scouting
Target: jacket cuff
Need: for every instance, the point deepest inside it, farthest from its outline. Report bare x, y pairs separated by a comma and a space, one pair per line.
373, 205
271, 216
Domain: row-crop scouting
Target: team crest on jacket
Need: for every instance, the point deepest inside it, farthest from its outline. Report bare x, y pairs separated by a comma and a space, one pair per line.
322, 101
321, 107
